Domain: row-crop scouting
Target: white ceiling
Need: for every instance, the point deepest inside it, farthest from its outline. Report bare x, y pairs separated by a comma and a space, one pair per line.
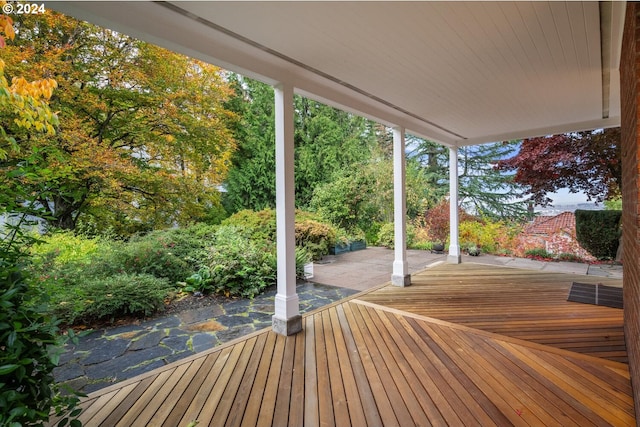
456, 72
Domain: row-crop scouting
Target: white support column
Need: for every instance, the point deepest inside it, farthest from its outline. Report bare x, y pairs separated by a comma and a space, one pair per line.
454, 245
287, 319
400, 276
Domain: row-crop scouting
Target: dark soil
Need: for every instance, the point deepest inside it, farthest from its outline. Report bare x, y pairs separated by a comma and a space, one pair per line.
191, 302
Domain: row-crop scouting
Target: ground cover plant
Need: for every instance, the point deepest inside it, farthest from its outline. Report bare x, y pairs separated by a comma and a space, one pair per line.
30, 339
98, 279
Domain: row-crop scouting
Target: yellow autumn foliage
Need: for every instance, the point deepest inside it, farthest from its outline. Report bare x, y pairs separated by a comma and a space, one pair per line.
24, 100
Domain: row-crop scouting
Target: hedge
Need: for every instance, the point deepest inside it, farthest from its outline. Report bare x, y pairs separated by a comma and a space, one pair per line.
599, 232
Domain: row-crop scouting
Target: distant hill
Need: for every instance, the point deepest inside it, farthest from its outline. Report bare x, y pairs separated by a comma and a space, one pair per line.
558, 209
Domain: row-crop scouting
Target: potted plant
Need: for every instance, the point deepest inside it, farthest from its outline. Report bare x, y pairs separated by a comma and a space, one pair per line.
473, 250
437, 248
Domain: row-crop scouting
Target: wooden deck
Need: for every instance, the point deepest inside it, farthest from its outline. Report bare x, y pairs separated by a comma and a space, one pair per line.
514, 302
357, 363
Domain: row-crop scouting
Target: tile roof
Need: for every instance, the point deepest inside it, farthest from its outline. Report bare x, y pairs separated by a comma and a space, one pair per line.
551, 224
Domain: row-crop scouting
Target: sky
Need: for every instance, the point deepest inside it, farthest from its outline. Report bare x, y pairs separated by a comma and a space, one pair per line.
564, 197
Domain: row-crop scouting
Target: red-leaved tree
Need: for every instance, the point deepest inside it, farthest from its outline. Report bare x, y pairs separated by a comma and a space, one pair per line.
437, 220
587, 162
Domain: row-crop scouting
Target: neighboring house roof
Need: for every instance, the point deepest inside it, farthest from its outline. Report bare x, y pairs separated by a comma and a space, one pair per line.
547, 225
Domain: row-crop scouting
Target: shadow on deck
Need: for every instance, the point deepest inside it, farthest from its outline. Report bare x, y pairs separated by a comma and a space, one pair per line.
364, 362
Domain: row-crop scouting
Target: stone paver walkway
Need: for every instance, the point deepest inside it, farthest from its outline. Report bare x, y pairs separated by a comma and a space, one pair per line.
111, 355
114, 354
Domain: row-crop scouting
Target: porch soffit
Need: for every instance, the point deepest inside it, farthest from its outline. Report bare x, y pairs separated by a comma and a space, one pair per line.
459, 73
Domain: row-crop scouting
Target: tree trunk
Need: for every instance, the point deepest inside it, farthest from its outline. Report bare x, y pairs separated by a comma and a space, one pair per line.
65, 222
63, 214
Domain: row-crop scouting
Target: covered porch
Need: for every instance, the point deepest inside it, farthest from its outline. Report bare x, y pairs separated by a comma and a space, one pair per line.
458, 73
378, 359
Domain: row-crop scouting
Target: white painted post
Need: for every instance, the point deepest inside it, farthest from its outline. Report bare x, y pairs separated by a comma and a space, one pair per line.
287, 319
454, 245
400, 275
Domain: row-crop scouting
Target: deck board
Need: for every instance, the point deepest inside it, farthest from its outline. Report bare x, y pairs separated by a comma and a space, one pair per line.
257, 383
362, 363
513, 302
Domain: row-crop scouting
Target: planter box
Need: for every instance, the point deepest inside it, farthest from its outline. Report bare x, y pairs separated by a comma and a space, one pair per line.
308, 271
358, 245
339, 249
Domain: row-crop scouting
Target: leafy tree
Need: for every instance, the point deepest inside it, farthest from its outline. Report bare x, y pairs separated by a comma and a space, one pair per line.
143, 137
362, 197
345, 201
28, 338
581, 161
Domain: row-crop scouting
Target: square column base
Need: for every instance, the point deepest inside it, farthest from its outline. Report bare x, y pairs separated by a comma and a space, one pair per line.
401, 281
454, 259
287, 327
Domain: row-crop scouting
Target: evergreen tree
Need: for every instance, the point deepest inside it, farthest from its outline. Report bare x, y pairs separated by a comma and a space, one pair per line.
251, 182
485, 190
434, 160
327, 141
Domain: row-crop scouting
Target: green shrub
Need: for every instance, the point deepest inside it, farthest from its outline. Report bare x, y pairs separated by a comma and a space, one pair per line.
260, 225
240, 266
30, 344
107, 298
568, 257
371, 233
303, 257
64, 247
538, 253
172, 253
77, 283
386, 236
316, 237
490, 236
599, 232
141, 257
189, 244
422, 245
311, 233
124, 294
28, 339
